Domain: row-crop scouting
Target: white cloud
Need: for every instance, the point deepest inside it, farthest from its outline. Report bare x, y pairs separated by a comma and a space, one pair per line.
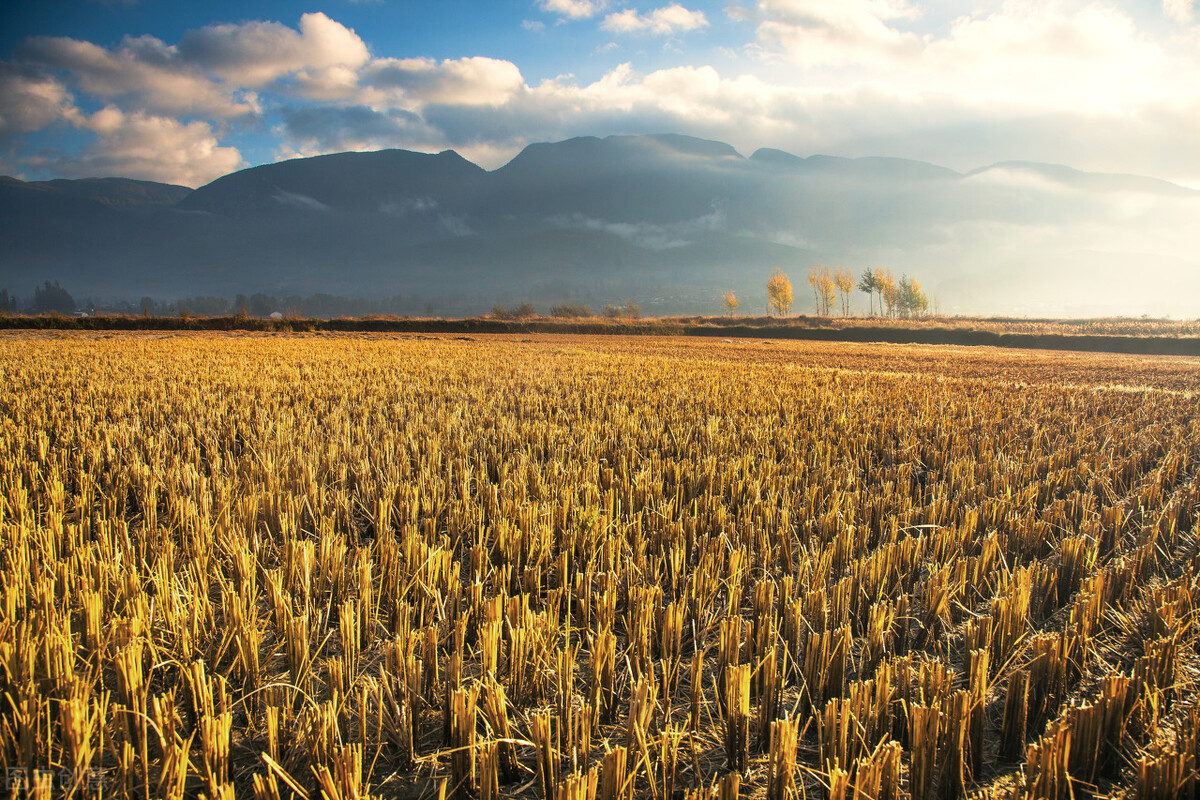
739, 13
1015, 64
212, 69
312, 130
573, 9
533, 25
253, 54
949, 127
330, 84
695, 100
30, 101
1060, 54
661, 21
1019, 177
146, 147
858, 32
300, 201
1072, 81
485, 110
142, 72
1179, 10
1091, 57
649, 235
414, 82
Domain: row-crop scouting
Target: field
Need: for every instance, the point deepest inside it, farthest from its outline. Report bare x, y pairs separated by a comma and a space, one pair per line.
1162, 337
575, 567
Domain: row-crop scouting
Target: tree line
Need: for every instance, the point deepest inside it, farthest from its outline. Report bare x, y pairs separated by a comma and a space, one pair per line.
52, 298
903, 298
49, 298
526, 310
832, 290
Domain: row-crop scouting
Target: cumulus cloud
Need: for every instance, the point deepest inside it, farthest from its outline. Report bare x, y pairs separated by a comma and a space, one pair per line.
254, 54
30, 101
142, 72
692, 99
1065, 79
858, 32
1095, 54
1067, 53
487, 112
147, 147
573, 9
1179, 10
310, 130
661, 21
213, 71
419, 81
331, 84
1073, 81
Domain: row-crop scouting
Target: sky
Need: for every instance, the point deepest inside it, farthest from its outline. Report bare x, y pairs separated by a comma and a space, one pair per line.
183, 92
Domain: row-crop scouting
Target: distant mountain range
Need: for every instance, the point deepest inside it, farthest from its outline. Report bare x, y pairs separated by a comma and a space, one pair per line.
668, 221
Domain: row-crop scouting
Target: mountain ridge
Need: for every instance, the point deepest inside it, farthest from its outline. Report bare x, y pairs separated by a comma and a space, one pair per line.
665, 219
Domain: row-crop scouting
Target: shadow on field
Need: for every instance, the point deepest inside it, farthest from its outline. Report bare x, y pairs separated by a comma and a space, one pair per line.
804, 329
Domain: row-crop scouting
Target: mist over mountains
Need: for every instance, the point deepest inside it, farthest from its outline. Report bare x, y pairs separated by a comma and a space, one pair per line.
667, 221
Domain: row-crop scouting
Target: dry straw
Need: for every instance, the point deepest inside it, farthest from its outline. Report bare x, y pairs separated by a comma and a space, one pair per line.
365, 566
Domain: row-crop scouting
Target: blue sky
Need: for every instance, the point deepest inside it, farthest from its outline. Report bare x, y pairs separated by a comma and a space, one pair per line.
184, 91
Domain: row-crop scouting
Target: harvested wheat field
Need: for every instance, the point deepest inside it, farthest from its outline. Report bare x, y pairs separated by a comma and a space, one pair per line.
574, 568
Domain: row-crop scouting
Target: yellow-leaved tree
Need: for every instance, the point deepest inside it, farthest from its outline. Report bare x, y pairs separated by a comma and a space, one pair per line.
779, 293
889, 290
731, 302
824, 288
844, 279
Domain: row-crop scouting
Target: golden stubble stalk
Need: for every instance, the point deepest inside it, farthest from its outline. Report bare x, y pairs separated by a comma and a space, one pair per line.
579, 786
173, 749
616, 783
83, 716
462, 742
226, 528
781, 780
215, 733
924, 730
541, 734
737, 723
344, 781
495, 711
604, 687
489, 771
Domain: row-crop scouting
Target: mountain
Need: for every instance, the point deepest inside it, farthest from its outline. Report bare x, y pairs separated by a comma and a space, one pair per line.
874, 167
1084, 181
346, 182
669, 221
110, 192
